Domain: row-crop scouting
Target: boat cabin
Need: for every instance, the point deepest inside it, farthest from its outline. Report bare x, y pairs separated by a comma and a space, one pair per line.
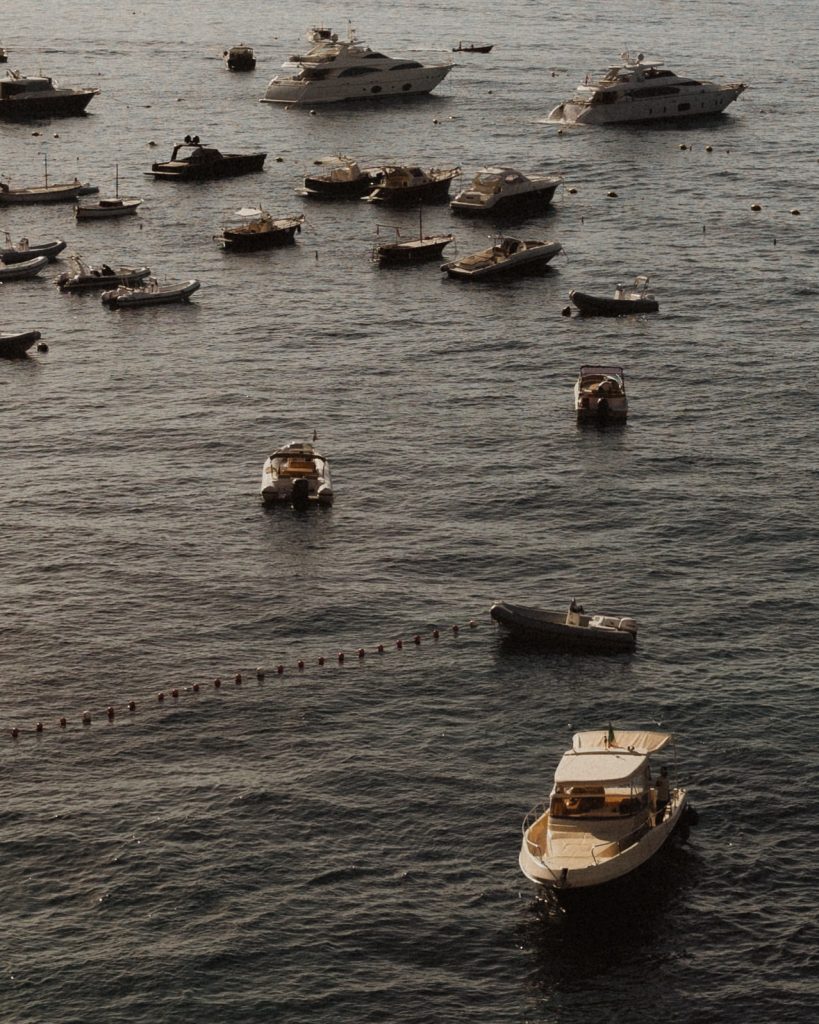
16, 85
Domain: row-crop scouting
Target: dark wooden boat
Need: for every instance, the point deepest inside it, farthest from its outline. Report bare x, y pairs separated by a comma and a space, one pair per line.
24, 97
16, 346
572, 629
82, 277
191, 160
627, 300
19, 252
259, 230
472, 47
410, 250
408, 186
343, 179
240, 58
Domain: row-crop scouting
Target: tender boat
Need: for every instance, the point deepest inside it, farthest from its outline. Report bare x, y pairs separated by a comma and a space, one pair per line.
600, 394
506, 256
4, 55
503, 190
334, 69
408, 186
16, 346
83, 277
472, 47
259, 230
18, 252
572, 629
607, 813
26, 268
410, 250
296, 474
343, 179
192, 160
628, 299
152, 294
640, 90
240, 58
22, 97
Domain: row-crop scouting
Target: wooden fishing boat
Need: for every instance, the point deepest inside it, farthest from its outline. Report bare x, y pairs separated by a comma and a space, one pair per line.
408, 186
409, 250
627, 300
108, 207
152, 294
16, 346
343, 179
259, 230
18, 252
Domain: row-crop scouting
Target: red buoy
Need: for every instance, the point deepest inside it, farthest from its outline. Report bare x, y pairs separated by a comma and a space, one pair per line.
260, 673
301, 665
86, 718
399, 644
160, 696
455, 630
15, 732
280, 669
472, 623
417, 639
195, 687
63, 723
361, 652
38, 727
340, 657
217, 682
380, 648
321, 661
174, 693
238, 679
435, 634
132, 705
110, 713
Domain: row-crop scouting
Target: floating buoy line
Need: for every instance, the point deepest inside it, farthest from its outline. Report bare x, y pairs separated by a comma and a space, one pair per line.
295, 670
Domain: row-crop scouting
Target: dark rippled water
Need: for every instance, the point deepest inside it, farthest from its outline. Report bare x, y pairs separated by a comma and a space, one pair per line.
341, 844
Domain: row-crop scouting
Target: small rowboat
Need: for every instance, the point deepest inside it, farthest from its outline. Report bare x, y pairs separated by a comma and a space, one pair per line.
472, 47
19, 252
28, 268
16, 346
152, 294
410, 250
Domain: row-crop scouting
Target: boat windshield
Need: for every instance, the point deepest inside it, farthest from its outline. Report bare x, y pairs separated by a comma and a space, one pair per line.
590, 801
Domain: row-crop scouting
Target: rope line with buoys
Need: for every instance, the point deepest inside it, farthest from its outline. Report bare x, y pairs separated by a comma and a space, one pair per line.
111, 712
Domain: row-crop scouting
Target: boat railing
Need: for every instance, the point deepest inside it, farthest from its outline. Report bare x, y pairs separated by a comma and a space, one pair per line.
604, 851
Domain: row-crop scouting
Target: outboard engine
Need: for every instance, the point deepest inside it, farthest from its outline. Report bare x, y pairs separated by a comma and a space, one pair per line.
301, 492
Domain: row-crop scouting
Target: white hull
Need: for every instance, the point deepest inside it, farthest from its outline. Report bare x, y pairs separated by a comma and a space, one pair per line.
125, 208
606, 864
374, 86
695, 102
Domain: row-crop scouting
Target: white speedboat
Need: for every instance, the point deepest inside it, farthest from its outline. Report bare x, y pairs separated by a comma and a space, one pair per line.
296, 474
507, 256
336, 69
640, 90
501, 190
607, 813
600, 394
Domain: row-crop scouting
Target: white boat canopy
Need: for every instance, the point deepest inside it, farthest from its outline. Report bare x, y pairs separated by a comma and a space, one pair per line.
636, 741
602, 768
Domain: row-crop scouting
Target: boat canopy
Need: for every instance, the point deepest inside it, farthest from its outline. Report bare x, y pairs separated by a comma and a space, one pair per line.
633, 741
604, 769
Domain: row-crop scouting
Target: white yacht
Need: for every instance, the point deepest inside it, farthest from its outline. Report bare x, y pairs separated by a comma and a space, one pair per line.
607, 814
641, 90
336, 69
296, 474
505, 190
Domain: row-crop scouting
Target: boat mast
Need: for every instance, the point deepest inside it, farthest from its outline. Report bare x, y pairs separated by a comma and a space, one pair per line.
45, 168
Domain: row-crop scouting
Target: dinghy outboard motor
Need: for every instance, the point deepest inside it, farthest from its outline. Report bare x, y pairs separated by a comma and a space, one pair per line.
301, 492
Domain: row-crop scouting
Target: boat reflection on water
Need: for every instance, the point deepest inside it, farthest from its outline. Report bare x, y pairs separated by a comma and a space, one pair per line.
612, 936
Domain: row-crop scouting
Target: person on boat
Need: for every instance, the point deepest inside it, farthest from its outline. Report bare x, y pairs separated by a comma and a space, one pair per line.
575, 607
663, 794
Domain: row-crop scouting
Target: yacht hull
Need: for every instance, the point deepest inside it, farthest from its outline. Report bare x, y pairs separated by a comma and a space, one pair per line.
686, 104
379, 84
531, 200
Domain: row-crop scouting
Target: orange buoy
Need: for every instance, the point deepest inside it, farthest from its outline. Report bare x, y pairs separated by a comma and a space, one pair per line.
612, 194
756, 207
63, 723
260, 673
472, 623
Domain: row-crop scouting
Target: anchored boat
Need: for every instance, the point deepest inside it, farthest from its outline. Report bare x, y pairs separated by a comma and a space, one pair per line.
296, 474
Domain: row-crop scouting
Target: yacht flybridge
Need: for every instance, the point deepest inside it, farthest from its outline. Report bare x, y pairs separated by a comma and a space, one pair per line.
607, 814
641, 90
336, 69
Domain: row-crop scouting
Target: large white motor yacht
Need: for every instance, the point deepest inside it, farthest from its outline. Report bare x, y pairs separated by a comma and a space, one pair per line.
640, 90
336, 69
606, 814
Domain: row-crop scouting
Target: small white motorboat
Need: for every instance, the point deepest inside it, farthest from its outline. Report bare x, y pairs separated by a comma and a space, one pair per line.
26, 268
503, 190
152, 294
298, 475
607, 813
600, 394
507, 256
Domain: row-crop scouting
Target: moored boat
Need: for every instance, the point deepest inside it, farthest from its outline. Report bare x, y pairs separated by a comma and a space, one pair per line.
108, 207
24, 96
151, 294
16, 346
26, 268
335, 69
627, 300
192, 160
463, 47
410, 250
407, 186
507, 255
600, 394
258, 229
18, 252
607, 813
573, 629
343, 179
59, 193
81, 276
296, 474
240, 58
640, 90
503, 190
